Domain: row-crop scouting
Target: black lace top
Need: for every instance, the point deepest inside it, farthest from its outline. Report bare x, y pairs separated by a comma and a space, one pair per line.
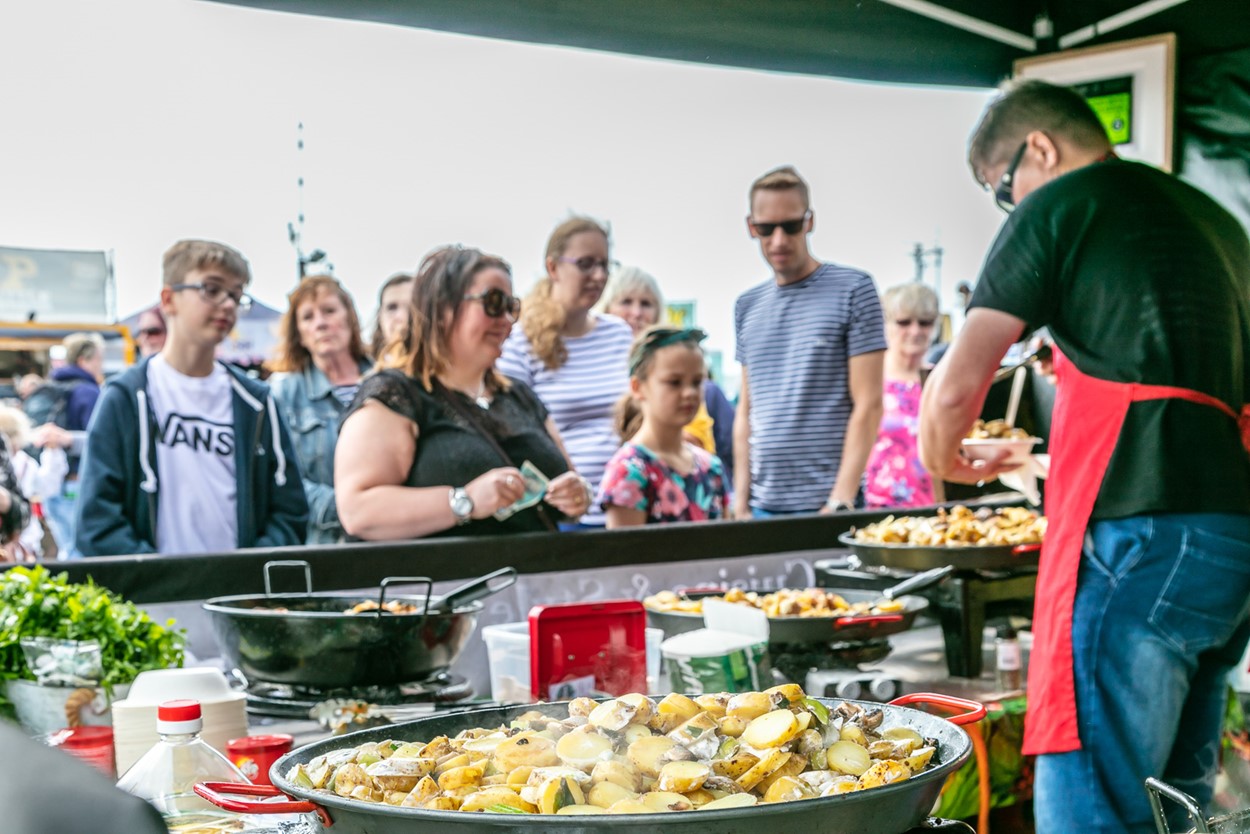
450, 452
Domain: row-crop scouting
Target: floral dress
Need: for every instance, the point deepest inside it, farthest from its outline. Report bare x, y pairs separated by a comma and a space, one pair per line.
637, 479
894, 476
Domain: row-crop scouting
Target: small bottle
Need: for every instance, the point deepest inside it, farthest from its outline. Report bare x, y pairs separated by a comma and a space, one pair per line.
166, 774
1008, 660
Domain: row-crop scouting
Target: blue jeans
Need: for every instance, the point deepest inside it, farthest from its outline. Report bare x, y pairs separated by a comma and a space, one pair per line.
59, 510
1159, 620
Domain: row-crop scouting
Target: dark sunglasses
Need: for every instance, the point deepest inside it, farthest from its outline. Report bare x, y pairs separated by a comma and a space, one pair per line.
790, 227
587, 264
907, 322
1002, 194
150, 331
496, 302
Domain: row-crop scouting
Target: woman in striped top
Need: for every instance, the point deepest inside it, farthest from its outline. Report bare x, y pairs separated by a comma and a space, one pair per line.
575, 359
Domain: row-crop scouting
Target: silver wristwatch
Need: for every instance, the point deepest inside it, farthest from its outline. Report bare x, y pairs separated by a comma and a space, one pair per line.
833, 505
461, 505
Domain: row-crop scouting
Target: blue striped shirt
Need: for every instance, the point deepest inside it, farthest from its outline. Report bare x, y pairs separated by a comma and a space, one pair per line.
581, 394
795, 342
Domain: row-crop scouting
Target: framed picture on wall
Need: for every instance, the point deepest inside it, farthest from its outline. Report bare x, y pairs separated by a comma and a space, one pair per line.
1131, 85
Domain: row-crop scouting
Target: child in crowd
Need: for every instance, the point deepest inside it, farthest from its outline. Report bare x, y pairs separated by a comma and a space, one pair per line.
657, 476
187, 454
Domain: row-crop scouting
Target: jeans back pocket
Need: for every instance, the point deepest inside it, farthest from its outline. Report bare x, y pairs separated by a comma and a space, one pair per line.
1207, 594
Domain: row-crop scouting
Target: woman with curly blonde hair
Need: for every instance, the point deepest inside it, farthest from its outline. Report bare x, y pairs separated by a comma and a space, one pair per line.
575, 359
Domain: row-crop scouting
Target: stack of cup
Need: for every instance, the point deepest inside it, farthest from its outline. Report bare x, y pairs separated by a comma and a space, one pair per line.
134, 720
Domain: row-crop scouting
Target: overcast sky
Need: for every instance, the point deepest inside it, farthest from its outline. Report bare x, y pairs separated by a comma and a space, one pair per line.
131, 123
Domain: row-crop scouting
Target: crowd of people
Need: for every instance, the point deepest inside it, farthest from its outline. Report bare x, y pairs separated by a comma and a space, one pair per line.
476, 412
471, 411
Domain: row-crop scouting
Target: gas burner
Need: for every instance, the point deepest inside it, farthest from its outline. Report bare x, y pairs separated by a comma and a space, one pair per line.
792, 661
294, 701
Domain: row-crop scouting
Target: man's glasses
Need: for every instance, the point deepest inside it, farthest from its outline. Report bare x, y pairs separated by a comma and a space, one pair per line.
217, 295
908, 322
588, 264
790, 227
1003, 193
496, 302
150, 332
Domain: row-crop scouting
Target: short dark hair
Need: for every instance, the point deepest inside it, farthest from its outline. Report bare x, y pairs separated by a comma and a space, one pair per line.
1029, 105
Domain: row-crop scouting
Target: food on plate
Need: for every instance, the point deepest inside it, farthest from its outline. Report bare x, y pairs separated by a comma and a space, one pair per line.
808, 602
624, 756
996, 430
958, 527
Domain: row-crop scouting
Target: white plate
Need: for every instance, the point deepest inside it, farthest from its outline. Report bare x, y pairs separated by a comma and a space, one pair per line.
1018, 449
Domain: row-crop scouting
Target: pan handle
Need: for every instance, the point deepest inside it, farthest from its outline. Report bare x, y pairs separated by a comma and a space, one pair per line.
218, 793
475, 590
918, 582
289, 563
870, 620
414, 580
967, 712
1021, 549
1157, 790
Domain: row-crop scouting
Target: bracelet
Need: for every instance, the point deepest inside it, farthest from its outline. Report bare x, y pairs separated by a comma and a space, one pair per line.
590, 493
835, 506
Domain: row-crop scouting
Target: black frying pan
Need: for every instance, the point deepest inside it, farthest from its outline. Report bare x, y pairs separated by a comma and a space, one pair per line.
928, 557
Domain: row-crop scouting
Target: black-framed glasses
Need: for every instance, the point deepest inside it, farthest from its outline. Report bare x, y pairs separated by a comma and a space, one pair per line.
790, 227
217, 295
496, 302
1003, 193
150, 332
921, 322
587, 264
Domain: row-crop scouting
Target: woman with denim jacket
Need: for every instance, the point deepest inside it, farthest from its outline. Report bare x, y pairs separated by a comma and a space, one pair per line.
320, 361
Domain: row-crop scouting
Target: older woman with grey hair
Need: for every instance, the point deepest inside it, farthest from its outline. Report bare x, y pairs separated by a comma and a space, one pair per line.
894, 476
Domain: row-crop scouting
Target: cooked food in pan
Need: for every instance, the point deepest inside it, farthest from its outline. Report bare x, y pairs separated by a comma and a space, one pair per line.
392, 606
632, 755
958, 527
996, 430
808, 602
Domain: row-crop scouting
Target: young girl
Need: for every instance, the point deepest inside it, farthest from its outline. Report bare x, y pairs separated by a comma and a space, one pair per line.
657, 476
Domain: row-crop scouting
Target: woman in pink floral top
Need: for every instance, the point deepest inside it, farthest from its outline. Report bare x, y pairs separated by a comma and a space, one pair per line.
657, 476
894, 476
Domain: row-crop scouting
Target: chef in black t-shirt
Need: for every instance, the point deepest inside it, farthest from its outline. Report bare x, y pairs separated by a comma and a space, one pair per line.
1143, 593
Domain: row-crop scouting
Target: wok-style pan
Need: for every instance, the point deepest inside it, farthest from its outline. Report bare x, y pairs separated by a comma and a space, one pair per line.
922, 557
807, 629
891, 809
308, 640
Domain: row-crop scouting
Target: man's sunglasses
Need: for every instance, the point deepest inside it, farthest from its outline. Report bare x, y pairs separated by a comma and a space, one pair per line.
1003, 193
150, 332
908, 322
496, 302
790, 227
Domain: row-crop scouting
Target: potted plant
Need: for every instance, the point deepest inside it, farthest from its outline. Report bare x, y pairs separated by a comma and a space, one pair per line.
34, 603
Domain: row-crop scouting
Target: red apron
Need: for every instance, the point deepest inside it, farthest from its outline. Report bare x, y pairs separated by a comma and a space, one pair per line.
1088, 416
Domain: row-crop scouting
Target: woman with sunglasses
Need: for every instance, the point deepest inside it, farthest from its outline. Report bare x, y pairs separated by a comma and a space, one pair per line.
435, 442
575, 359
894, 476
320, 361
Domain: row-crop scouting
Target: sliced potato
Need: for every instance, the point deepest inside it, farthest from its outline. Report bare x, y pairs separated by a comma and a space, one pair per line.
399, 774
792, 692
558, 793
765, 766
623, 773
643, 706
792, 767
581, 810
884, 772
526, 748
734, 800
854, 733
699, 797
713, 704
607, 794
903, 734
485, 744
460, 777
660, 801
840, 786
442, 803
483, 800
680, 777
424, 790
847, 757
734, 725
735, 766
678, 704
749, 705
451, 761
613, 716
349, 777
787, 789
647, 753
630, 806
772, 729
583, 748
920, 759
518, 776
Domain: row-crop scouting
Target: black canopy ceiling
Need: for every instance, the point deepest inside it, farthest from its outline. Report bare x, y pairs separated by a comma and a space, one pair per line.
916, 41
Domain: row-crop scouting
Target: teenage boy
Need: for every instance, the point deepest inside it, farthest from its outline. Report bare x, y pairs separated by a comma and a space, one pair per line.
186, 454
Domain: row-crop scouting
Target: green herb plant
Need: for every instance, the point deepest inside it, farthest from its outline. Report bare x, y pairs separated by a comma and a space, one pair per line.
34, 603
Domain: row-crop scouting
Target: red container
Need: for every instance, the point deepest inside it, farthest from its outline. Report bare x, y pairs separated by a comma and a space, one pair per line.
254, 755
94, 745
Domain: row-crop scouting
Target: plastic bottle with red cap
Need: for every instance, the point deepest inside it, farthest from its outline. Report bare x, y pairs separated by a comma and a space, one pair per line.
166, 774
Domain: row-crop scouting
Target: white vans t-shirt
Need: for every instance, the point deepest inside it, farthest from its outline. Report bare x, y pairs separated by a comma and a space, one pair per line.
195, 442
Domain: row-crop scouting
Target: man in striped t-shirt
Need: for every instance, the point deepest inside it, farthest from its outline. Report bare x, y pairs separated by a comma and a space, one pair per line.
811, 343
